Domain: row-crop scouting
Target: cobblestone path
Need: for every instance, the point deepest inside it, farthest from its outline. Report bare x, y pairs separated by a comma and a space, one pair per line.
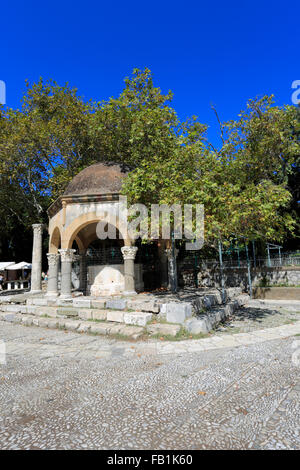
69, 391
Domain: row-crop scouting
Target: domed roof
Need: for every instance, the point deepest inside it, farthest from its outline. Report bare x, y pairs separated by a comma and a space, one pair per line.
100, 178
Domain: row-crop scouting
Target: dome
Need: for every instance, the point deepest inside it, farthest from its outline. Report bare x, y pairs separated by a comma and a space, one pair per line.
100, 178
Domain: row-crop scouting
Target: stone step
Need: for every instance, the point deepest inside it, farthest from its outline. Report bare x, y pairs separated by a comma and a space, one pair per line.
97, 328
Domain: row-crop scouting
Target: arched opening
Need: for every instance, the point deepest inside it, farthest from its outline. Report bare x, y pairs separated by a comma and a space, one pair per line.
54, 241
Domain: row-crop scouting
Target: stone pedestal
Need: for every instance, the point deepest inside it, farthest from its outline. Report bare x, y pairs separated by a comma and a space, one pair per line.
129, 253
36, 270
52, 288
66, 272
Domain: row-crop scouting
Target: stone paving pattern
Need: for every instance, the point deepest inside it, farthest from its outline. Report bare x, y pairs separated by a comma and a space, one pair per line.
63, 390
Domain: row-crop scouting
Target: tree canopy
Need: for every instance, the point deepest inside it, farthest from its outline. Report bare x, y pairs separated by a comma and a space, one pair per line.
249, 186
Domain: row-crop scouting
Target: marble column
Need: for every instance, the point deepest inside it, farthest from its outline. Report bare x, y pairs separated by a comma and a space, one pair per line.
129, 253
52, 288
36, 270
66, 272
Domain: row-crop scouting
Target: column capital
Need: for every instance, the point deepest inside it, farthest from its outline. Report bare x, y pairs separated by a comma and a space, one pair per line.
129, 252
52, 259
67, 255
38, 228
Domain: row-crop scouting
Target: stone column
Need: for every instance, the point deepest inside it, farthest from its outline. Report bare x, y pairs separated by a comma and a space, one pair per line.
36, 270
52, 289
129, 253
66, 272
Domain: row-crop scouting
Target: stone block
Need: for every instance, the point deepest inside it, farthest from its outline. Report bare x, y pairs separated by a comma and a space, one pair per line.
213, 299
116, 304
31, 309
52, 324
229, 309
98, 304
99, 314
196, 326
132, 331
85, 314
9, 317
49, 311
43, 322
101, 328
178, 312
116, 329
206, 301
60, 302
82, 303
61, 323
198, 304
242, 299
143, 306
163, 309
115, 316
40, 302
163, 329
72, 325
84, 327
137, 318
27, 320
13, 308
67, 312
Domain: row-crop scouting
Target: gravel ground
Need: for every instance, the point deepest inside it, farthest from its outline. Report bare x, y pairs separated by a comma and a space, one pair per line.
53, 397
249, 319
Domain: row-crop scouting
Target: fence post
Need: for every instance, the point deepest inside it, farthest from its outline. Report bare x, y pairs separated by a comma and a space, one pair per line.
249, 272
269, 259
221, 272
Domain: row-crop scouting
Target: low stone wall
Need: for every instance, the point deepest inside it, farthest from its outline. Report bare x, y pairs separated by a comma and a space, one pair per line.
277, 293
238, 277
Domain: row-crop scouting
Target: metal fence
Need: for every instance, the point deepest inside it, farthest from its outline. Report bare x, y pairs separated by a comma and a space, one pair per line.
284, 260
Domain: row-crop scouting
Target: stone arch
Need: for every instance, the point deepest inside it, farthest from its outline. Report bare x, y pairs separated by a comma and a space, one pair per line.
72, 231
54, 240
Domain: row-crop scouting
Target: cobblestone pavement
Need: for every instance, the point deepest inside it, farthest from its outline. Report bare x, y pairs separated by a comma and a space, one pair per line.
249, 319
65, 390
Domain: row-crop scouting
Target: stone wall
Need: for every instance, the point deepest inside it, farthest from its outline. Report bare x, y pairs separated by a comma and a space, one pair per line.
234, 277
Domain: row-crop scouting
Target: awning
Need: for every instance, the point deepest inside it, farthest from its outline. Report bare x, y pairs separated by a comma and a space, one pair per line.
5, 264
22, 265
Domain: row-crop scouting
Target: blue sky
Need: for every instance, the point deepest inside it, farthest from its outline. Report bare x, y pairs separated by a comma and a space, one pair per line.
205, 52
